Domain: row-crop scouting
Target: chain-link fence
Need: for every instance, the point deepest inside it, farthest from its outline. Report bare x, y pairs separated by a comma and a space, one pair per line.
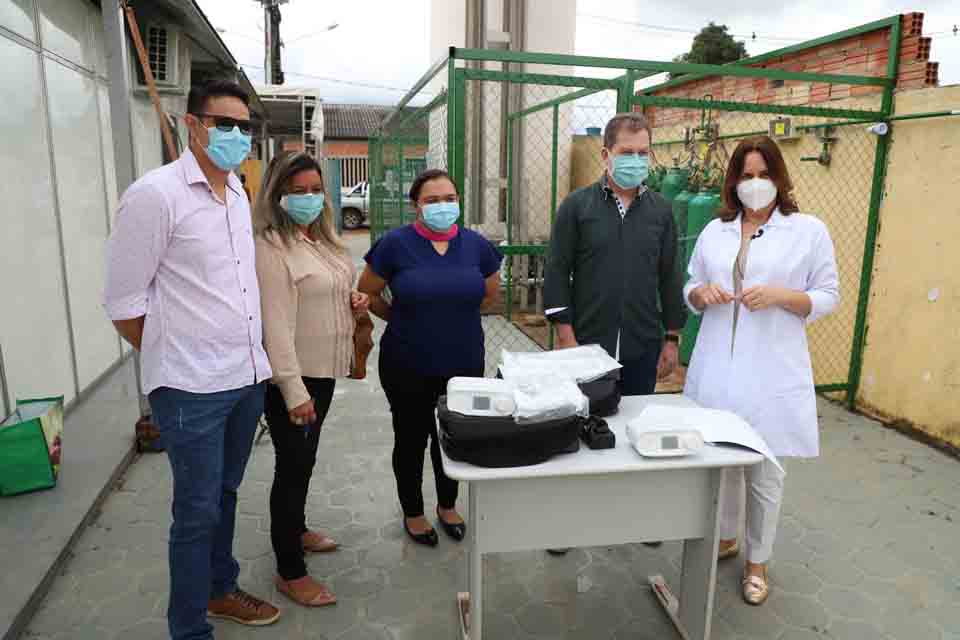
831, 167
415, 141
518, 142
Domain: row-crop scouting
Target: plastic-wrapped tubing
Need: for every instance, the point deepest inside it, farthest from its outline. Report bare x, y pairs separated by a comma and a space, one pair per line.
546, 397
579, 364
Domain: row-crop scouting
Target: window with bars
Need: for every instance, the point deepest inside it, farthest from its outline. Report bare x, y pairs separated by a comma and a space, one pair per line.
353, 170
161, 45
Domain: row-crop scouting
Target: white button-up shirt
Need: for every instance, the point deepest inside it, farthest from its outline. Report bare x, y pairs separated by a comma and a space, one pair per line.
184, 258
767, 379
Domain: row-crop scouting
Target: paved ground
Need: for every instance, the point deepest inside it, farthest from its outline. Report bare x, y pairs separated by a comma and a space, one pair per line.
869, 548
36, 527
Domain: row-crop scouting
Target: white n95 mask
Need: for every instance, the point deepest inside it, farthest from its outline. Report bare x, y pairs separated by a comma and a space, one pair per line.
757, 193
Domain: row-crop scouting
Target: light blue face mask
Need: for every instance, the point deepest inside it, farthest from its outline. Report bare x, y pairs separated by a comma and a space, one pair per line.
630, 170
227, 149
440, 216
303, 208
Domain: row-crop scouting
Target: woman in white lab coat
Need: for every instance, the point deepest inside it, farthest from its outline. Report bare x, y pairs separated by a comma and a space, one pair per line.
759, 274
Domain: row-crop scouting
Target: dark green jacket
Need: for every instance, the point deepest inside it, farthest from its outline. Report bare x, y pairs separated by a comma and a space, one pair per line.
614, 273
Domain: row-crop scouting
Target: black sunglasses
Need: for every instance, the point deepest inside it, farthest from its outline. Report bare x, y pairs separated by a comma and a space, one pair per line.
227, 124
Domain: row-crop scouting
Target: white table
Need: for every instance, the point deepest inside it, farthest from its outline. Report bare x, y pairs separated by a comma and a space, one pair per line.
595, 498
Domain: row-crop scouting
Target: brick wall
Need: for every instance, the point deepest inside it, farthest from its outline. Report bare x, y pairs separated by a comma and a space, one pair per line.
344, 148
359, 149
865, 54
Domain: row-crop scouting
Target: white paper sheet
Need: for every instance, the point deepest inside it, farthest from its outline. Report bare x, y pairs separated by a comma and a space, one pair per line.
580, 364
716, 426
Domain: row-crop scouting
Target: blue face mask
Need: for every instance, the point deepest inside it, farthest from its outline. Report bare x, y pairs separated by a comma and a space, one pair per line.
227, 149
440, 216
303, 208
630, 170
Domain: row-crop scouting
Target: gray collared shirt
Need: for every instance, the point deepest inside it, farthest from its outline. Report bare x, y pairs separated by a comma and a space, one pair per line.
614, 271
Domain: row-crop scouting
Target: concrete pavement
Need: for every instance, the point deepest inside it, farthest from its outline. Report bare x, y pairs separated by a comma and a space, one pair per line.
869, 548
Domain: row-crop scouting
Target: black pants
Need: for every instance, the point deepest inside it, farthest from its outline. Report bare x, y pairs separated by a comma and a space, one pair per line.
296, 449
413, 403
638, 377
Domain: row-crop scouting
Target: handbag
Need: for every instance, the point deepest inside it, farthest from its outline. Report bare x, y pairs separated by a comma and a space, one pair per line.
31, 446
362, 346
603, 394
503, 442
148, 436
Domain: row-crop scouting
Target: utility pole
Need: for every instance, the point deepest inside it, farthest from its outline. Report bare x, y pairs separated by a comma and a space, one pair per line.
271, 40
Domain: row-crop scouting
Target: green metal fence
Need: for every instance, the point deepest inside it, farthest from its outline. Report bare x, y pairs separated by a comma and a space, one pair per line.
517, 131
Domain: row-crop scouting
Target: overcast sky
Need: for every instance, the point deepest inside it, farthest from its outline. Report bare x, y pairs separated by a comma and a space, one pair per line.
380, 47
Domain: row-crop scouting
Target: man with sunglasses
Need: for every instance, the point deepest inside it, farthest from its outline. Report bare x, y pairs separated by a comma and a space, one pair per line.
181, 287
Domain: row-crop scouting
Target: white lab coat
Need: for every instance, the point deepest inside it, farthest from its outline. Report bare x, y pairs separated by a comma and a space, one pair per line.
767, 380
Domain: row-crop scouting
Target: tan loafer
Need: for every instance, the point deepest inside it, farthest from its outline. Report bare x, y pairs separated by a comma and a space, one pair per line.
756, 589
728, 549
316, 542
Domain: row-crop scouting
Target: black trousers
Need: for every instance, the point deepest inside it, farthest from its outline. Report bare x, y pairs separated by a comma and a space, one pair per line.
296, 451
413, 403
638, 377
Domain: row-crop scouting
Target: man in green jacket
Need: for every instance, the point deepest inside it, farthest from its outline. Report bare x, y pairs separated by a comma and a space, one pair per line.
614, 276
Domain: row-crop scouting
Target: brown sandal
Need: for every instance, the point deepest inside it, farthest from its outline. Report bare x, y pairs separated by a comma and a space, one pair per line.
728, 549
308, 593
315, 542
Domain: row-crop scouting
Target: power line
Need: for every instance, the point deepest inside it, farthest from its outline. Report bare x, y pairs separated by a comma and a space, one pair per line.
363, 85
655, 27
936, 35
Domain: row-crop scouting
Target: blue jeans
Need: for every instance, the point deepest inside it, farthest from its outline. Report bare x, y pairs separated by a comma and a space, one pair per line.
208, 438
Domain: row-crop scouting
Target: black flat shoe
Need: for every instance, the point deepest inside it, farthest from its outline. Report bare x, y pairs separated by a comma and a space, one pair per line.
429, 538
455, 531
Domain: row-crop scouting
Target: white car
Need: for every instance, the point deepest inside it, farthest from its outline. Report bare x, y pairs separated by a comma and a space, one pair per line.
355, 205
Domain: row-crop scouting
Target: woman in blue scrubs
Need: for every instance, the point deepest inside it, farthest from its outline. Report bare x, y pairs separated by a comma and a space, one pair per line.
440, 276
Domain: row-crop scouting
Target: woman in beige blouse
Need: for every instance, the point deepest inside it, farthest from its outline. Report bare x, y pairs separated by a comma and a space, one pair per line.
309, 313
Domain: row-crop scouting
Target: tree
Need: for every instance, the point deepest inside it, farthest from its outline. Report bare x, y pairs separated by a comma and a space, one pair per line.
713, 45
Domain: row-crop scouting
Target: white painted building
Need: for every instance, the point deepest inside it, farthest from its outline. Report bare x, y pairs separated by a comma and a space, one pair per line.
524, 25
77, 126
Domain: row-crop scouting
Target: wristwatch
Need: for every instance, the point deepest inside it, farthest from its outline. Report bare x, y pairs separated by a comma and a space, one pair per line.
671, 337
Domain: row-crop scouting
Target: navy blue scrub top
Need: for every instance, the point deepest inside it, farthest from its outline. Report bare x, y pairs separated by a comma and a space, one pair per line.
434, 327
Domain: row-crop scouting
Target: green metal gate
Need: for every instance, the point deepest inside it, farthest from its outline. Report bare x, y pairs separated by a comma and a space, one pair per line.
517, 131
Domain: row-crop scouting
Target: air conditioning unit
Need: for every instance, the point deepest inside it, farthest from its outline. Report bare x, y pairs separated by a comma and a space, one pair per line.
162, 44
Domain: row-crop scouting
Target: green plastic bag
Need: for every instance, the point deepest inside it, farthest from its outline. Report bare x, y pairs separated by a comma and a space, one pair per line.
31, 444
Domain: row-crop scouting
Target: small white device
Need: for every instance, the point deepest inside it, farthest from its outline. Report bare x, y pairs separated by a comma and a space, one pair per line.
490, 397
664, 443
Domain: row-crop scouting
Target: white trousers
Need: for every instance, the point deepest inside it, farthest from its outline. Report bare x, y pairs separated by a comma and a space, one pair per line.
764, 495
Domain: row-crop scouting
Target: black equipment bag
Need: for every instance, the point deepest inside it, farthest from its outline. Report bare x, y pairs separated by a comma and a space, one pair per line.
604, 394
502, 441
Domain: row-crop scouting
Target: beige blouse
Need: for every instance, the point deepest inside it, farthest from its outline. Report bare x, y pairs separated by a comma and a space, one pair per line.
307, 322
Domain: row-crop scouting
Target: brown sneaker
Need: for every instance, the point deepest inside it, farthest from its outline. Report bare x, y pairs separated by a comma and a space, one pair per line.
243, 608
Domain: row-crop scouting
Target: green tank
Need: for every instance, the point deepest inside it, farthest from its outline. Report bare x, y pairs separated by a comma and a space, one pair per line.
681, 205
701, 209
674, 182
655, 179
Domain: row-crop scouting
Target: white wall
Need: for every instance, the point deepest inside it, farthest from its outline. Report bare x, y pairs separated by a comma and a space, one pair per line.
551, 28
33, 326
58, 191
447, 29
147, 138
